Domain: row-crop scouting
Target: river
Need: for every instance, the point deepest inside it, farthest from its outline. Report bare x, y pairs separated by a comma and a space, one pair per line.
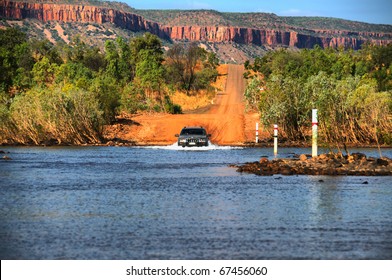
175, 203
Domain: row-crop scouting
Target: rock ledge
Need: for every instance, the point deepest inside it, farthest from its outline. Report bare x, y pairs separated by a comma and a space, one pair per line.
356, 164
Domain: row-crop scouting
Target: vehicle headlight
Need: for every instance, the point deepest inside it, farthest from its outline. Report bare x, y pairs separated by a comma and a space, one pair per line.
182, 140
202, 140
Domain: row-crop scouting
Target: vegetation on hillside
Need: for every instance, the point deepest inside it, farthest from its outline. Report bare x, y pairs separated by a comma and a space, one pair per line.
215, 18
66, 93
352, 91
325, 23
257, 21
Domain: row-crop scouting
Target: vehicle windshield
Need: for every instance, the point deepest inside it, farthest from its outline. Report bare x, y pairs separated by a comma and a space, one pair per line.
193, 131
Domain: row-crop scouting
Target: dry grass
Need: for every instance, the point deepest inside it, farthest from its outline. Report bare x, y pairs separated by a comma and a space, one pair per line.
203, 98
191, 102
221, 80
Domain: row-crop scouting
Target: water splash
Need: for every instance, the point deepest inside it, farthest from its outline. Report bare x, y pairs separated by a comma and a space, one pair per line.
210, 147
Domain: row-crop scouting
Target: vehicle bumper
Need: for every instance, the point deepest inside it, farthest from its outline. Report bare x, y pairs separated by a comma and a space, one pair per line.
193, 144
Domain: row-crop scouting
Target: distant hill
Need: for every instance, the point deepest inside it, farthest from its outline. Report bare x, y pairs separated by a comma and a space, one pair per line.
233, 36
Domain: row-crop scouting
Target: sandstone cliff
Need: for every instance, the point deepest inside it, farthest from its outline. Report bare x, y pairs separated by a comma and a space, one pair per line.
291, 36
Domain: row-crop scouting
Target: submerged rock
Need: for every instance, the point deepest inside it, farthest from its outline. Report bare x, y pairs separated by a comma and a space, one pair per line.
356, 164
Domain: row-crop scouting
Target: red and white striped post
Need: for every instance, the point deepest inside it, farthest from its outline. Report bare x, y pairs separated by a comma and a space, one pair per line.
275, 139
257, 133
314, 132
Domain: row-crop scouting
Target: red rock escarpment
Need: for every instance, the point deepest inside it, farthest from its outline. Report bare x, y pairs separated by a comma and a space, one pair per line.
77, 13
261, 37
299, 38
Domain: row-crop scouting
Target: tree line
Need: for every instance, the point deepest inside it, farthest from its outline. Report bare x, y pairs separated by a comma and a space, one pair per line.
352, 91
66, 93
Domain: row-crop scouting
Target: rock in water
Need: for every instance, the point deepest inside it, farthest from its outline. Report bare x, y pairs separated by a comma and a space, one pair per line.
356, 164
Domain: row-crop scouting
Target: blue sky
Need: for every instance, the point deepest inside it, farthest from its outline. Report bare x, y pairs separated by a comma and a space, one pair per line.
372, 11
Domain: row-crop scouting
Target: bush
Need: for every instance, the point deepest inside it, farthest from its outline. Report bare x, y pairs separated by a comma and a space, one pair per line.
132, 99
352, 108
170, 107
41, 116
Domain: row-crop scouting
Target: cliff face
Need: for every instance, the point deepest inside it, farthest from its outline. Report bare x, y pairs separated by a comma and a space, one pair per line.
77, 13
273, 38
300, 38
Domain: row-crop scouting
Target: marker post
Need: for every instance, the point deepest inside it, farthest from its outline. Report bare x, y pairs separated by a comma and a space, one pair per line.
275, 140
314, 132
257, 133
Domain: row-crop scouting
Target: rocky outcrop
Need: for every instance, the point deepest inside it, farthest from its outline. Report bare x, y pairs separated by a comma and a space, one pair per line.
274, 38
357, 164
78, 13
294, 37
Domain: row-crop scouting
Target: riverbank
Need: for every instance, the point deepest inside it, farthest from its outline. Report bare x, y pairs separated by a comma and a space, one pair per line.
356, 164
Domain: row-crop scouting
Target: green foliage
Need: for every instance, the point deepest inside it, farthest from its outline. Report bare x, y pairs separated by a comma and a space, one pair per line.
125, 66
133, 99
149, 71
107, 93
252, 92
183, 63
44, 72
379, 61
15, 58
172, 108
350, 89
112, 60
73, 73
147, 42
66, 93
46, 49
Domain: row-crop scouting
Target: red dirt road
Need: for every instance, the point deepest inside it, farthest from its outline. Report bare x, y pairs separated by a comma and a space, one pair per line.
225, 120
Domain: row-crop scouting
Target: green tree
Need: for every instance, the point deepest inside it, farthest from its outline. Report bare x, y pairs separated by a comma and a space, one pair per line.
148, 42
253, 93
15, 59
107, 92
44, 72
44, 48
74, 75
94, 59
112, 60
191, 67
125, 66
147, 56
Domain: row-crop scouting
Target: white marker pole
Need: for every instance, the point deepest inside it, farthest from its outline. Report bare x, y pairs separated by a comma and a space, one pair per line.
275, 139
257, 133
314, 132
